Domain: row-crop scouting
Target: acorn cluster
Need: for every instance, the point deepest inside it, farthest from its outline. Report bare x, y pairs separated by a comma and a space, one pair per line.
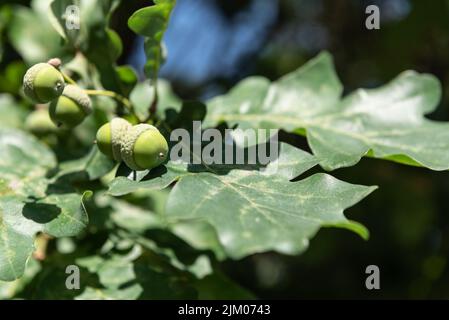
69, 104
141, 146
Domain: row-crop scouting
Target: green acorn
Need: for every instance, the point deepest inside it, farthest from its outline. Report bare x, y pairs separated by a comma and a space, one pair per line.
144, 147
43, 83
110, 137
141, 146
39, 123
71, 108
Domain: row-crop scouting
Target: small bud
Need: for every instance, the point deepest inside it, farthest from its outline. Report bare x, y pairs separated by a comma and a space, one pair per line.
55, 62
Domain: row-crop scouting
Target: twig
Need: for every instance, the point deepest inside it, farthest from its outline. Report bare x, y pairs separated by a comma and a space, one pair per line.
106, 93
68, 79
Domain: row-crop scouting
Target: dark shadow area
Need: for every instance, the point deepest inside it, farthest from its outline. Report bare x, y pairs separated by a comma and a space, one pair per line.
40, 212
50, 283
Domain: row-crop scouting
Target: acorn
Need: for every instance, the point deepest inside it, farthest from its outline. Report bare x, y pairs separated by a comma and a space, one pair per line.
43, 82
39, 123
144, 147
71, 108
110, 136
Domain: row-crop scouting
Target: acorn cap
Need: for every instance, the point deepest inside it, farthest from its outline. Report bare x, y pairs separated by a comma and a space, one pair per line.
119, 130
127, 150
31, 76
79, 96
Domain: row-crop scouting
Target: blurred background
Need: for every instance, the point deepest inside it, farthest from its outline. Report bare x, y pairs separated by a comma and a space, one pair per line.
212, 44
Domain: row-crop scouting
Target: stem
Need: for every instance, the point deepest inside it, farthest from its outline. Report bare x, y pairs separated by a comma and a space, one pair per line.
41, 244
114, 95
153, 106
68, 79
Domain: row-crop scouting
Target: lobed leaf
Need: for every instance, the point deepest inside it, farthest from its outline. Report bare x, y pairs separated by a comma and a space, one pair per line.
132, 276
255, 210
386, 123
28, 202
93, 165
151, 22
35, 44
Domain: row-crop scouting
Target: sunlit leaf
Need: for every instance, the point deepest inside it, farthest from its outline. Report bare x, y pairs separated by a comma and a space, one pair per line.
28, 202
151, 22
387, 122
253, 210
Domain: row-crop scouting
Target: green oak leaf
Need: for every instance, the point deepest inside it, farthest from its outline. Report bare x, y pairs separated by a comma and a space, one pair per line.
252, 214
169, 255
6, 13
13, 115
151, 22
93, 165
132, 276
101, 45
138, 219
199, 235
131, 217
387, 122
90, 16
159, 178
27, 205
35, 44
20, 219
128, 78
142, 96
12, 77
10, 289
255, 210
